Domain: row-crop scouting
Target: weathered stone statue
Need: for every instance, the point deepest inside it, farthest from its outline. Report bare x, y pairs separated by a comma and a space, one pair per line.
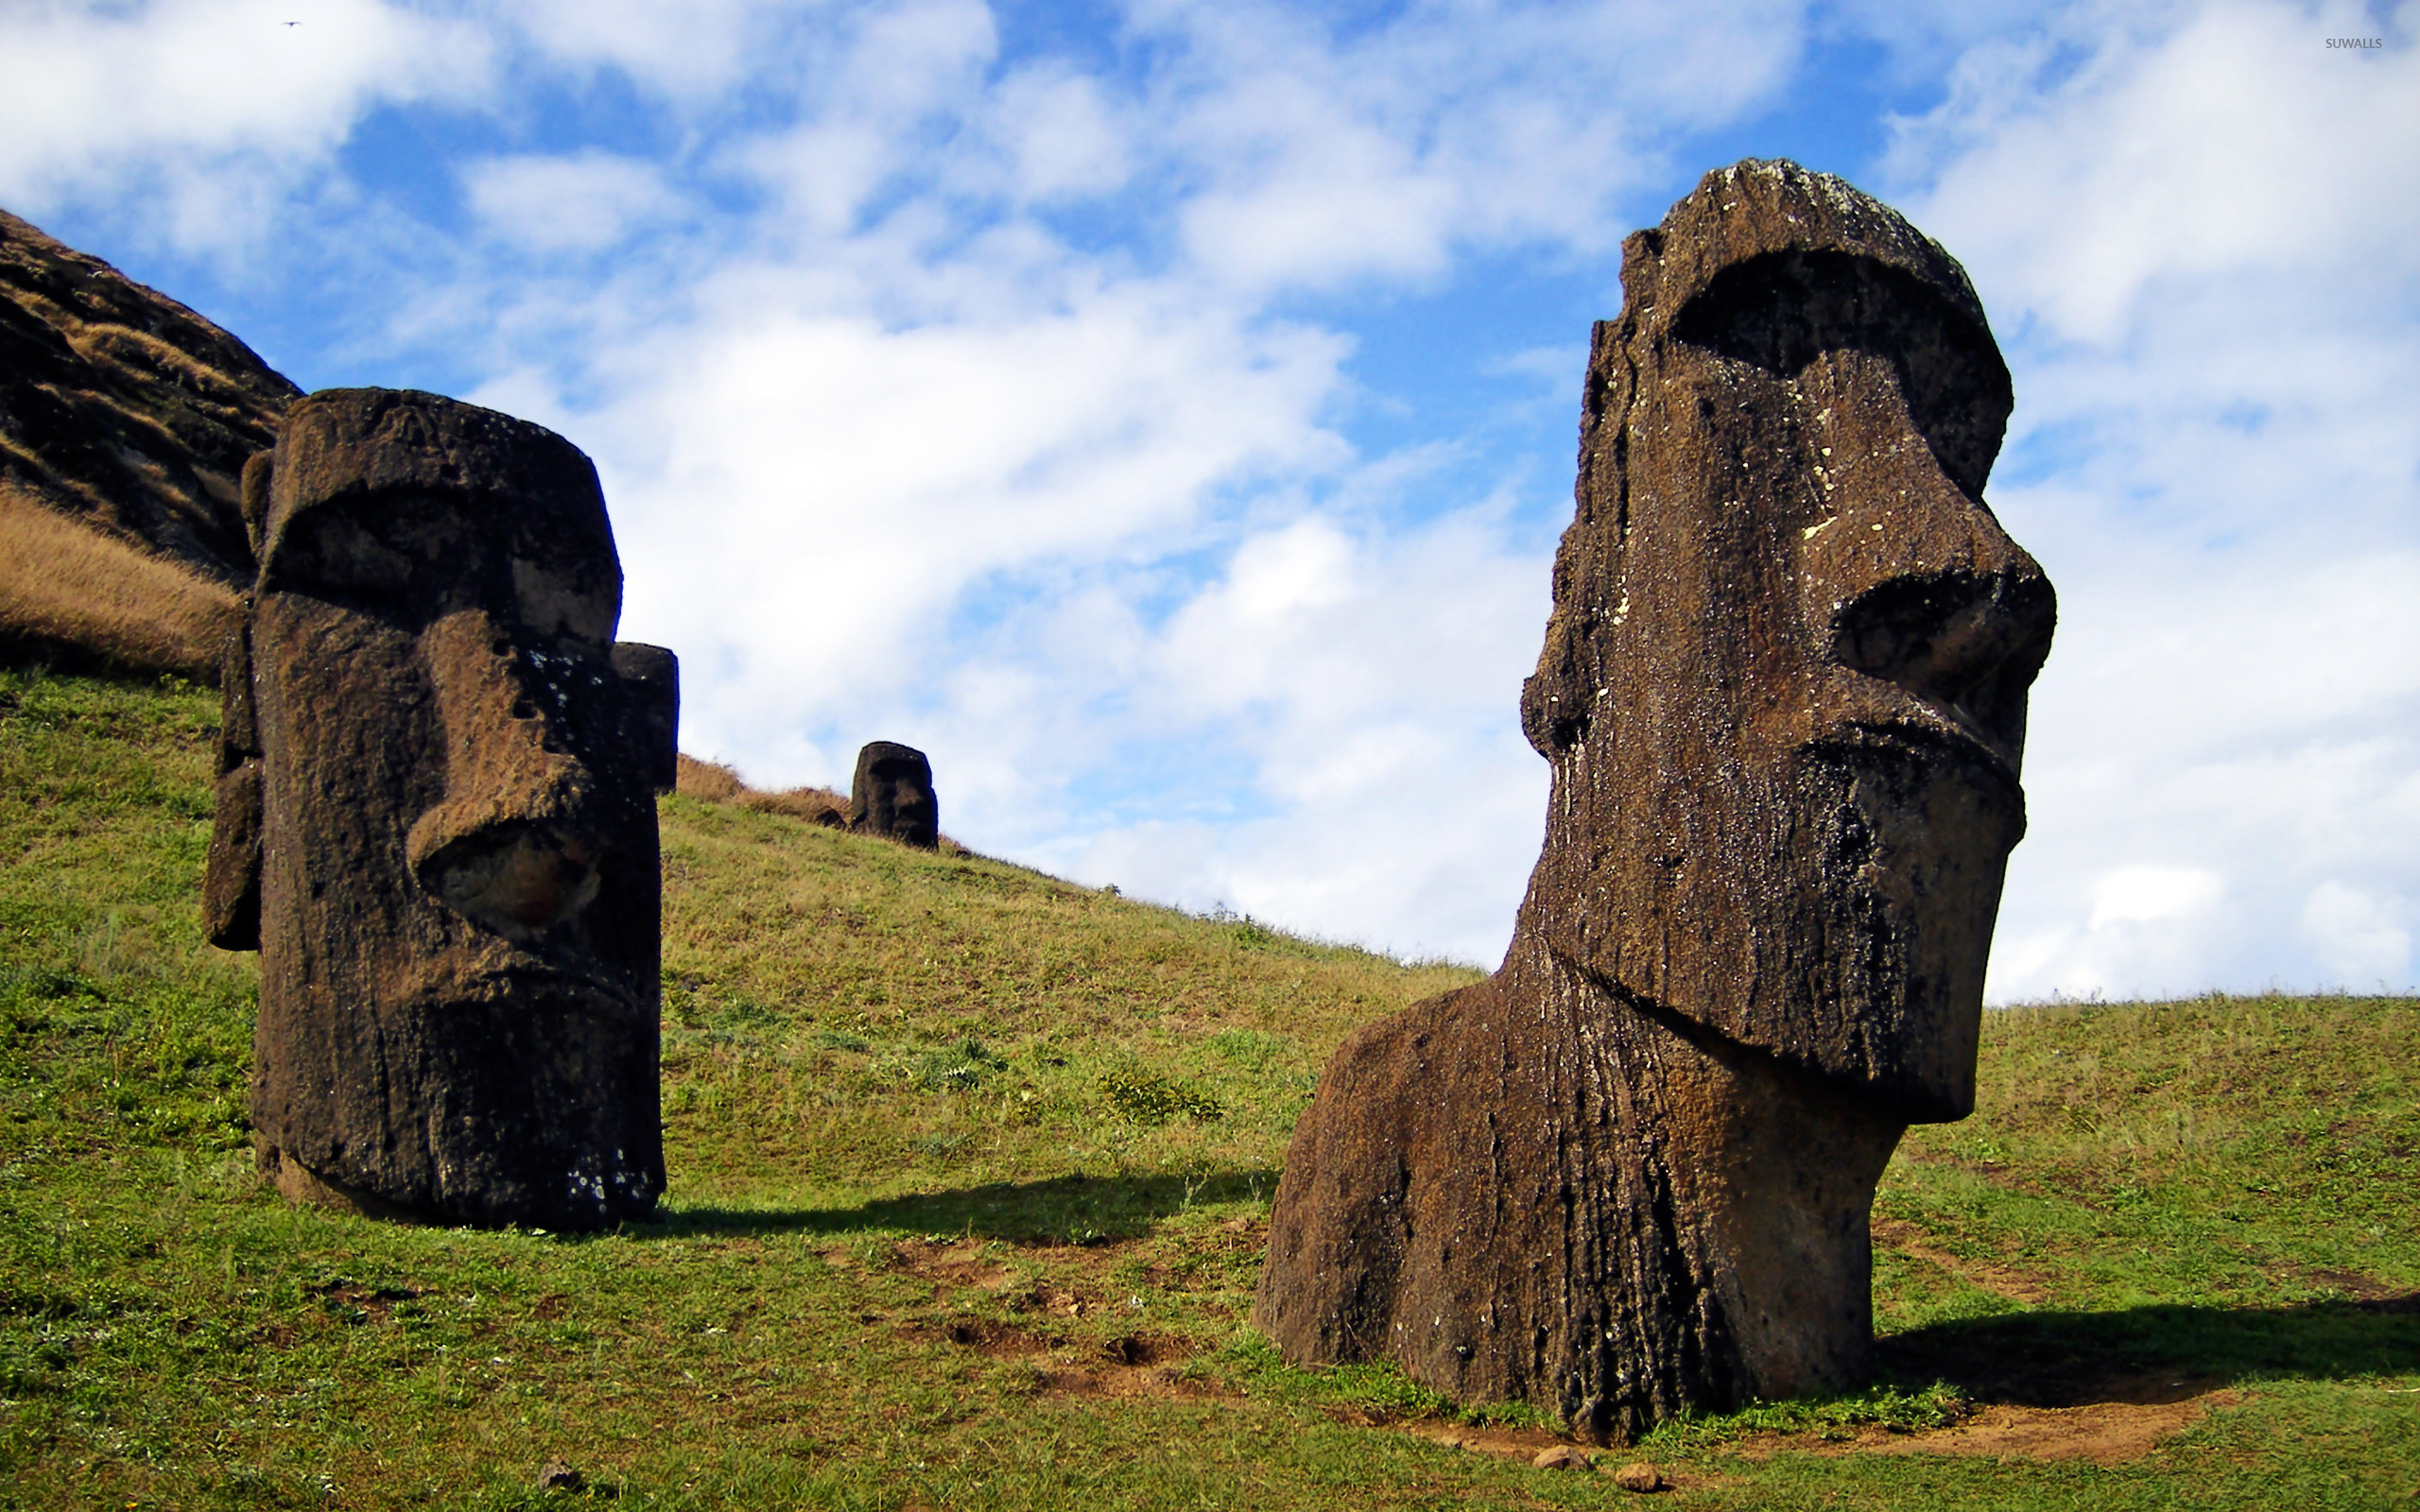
435, 821
1783, 691
892, 795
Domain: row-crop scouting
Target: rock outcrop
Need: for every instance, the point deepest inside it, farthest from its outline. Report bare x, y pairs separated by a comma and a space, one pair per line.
1782, 692
125, 422
435, 822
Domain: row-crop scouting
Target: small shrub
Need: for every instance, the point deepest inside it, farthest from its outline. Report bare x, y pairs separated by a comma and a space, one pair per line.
940, 1146
1251, 1049
743, 1014
1513, 1414
955, 1068
1377, 1392
1938, 1405
40, 984
1150, 1098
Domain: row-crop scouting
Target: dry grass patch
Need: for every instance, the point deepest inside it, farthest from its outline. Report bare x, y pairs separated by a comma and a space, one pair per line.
67, 586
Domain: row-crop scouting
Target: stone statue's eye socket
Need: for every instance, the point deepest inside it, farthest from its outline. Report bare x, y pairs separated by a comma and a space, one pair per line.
348, 550
1780, 311
579, 599
566, 576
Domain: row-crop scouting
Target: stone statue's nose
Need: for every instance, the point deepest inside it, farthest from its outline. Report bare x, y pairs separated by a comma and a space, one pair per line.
1968, 642
507, 845
1910, 579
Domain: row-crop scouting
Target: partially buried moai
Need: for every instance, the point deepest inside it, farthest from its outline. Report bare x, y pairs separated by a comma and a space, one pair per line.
891, 794
437, 822
1783, 694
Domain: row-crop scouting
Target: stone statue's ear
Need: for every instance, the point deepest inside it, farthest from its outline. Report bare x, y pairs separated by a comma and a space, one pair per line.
255, 499
1557, 701
230, 884
652, 676
239, 734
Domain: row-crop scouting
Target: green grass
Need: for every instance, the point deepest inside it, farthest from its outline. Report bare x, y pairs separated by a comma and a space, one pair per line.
970, 1174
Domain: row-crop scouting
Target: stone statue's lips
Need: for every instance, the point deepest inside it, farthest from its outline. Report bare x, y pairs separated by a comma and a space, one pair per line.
527, 980
1927, 737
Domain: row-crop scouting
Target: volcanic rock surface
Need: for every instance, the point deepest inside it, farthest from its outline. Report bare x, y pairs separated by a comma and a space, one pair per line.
435, 822
125, 422
1783, 694
891, 794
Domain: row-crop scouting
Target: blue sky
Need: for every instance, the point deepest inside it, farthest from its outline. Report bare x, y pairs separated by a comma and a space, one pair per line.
1163, 412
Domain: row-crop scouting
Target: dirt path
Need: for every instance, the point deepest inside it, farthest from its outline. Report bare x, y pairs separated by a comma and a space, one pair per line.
2066, 1409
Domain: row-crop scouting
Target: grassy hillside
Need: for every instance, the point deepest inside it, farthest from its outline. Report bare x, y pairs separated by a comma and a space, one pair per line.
970, 1169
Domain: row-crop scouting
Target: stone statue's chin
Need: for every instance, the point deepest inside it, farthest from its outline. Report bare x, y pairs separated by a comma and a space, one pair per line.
527, 989
1913, 843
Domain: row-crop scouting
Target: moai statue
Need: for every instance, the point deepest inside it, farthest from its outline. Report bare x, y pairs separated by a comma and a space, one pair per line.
892, 795
1782, 692
435, 822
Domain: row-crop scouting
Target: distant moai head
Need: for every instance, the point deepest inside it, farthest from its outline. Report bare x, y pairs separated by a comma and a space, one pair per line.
892, 795
1783, 685
437, 821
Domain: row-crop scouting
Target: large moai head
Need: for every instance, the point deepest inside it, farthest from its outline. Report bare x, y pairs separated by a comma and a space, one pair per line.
438, 817
1784, 684
891, 794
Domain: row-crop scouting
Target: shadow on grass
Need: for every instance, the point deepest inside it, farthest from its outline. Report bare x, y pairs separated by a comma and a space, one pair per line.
2159, 1353
1068, 1209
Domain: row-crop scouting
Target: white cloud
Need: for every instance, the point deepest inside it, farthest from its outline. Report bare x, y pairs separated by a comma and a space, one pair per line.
881, 88
215, 109
2142, 895
2254, 729
997, 422
695, 48
1061, 133
2186, 220
2232, 138
2365, 939
1365, 685
585, 201
1330, 158
825, 489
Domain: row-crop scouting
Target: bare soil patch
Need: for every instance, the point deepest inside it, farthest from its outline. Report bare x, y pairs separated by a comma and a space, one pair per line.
1064, 1362
1997, 1172
961, 1265
999, 1341
1507, 1443
2368, 1292
1990, 1275
2105, 1433
2109, 1432
1133, 1364
1129, 1365
2025, 1407
356, 1302
2032, 1406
